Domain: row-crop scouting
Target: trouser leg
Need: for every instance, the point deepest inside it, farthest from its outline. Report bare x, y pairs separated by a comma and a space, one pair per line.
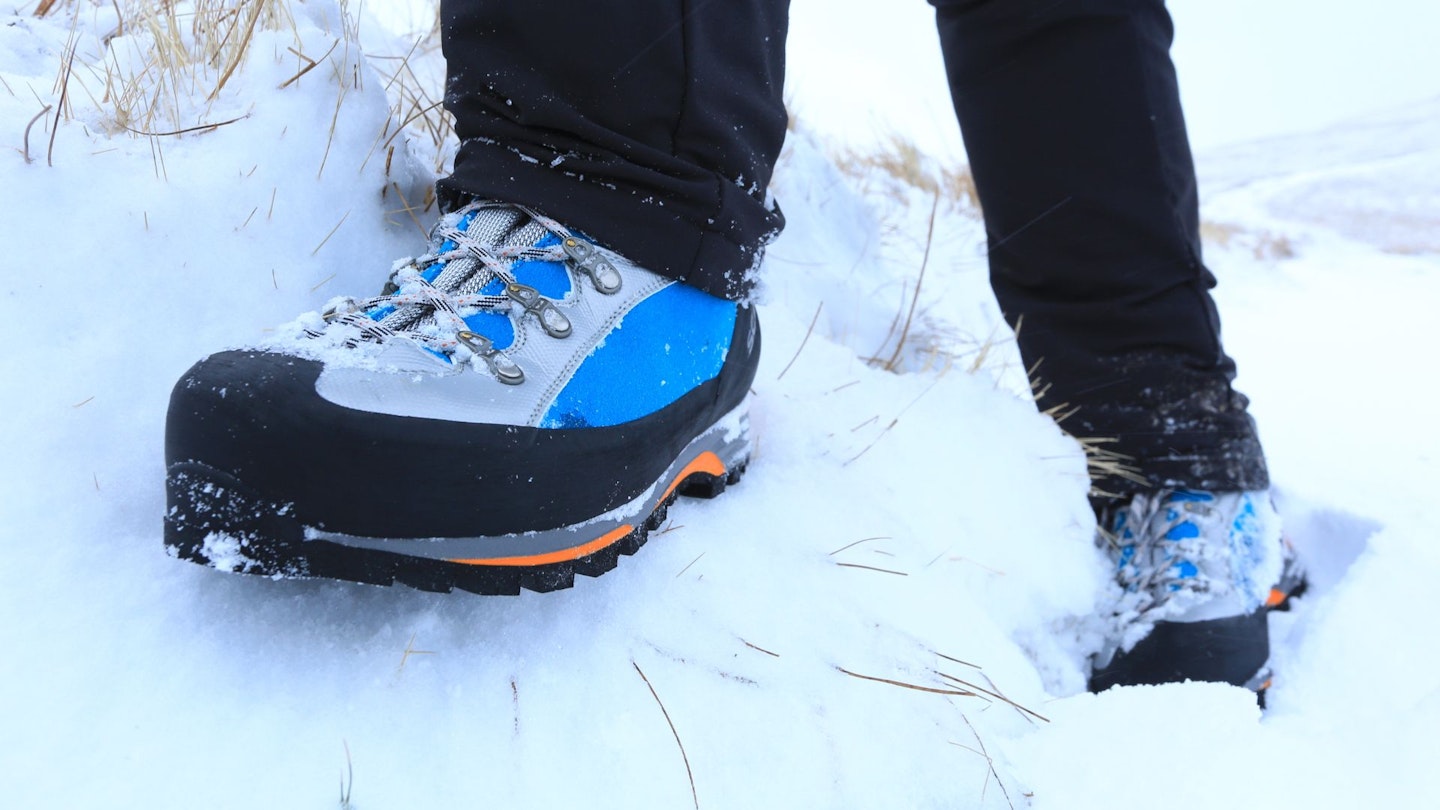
651, 125
1071, 116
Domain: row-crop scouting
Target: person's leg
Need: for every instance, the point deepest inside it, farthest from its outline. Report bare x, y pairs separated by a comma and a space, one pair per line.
1071, 115
652, 126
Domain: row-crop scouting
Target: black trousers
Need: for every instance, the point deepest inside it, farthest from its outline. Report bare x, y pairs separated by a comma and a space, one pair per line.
654, 125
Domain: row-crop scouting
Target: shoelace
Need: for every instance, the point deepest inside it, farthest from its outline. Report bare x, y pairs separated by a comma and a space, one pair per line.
432, 311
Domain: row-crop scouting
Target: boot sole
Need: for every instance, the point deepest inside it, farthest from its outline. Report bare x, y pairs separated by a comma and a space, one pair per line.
1234, 650
217, 520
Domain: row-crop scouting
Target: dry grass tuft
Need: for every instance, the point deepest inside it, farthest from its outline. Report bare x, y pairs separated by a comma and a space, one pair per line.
902, 178
165, 79
1101, 460
1264, 245
417, 115
1220, 234
166, 65
893, 363
903, 167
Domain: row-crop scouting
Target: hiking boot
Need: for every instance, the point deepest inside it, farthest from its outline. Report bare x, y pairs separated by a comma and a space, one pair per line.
517, 406
1200, 573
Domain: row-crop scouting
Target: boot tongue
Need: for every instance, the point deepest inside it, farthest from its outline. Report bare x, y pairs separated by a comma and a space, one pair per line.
494, 226
498, 228
501, 227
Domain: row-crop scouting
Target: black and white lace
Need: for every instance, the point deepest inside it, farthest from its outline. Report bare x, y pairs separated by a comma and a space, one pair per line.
475, 249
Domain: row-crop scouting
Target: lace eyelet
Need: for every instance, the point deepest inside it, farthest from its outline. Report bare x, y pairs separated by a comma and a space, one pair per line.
499, 363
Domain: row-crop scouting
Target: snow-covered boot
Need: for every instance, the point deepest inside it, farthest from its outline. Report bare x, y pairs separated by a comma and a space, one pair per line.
1200, 573
517, 406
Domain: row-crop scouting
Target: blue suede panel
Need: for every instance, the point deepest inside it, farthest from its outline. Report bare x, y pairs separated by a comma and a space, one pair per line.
550, 278
494, 325
667, 345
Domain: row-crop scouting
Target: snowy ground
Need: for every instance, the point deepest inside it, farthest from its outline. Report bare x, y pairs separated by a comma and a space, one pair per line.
924, 528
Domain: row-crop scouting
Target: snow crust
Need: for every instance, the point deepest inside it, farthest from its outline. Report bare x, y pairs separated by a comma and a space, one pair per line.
922, 527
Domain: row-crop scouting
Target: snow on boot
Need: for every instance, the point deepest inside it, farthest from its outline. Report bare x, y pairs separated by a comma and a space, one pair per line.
517, 406
1200, 573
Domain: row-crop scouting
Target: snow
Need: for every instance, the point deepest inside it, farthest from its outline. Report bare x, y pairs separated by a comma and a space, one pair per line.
893, 525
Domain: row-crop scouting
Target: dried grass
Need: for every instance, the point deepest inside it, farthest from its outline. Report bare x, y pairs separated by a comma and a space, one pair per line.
911, 686
166, 77
152, 83
689, 774
995, 693
989, 760
1263, 245
893, 363
803, 341
899, 172
417, 108
1102, 462
38, 116
900, 160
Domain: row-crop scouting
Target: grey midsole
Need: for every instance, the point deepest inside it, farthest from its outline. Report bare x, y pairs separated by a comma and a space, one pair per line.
728, 438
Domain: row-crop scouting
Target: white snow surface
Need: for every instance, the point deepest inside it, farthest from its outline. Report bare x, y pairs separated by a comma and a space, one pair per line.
894, 523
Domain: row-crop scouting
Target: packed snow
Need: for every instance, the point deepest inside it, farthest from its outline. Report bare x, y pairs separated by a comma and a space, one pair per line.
893, 609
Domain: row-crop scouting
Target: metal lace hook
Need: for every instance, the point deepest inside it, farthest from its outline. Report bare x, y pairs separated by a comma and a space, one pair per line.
552, 320
497, 361
589, 261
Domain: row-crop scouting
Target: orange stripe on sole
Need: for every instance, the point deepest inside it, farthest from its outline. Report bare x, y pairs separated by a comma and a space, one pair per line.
563, 555
1277, 597
706, 462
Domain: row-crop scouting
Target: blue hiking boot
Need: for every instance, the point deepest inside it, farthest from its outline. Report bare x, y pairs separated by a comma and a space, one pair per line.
517, 406
1200, 573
